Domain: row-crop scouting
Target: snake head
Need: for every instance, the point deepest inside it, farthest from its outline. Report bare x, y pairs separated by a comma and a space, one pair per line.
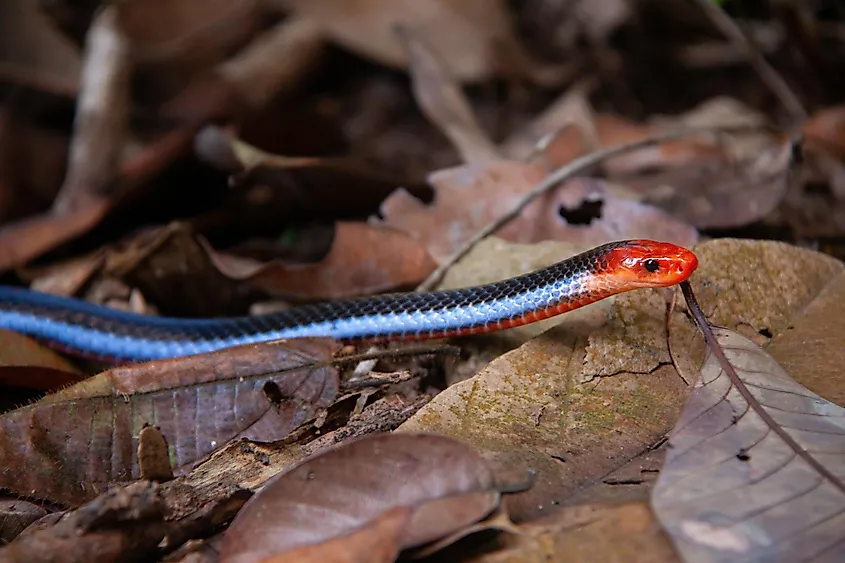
648, 263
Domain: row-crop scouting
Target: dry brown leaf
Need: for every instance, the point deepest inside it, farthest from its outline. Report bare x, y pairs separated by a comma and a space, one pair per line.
475, 37
471, 196
756, 465
125, 524
613, 533
29, 238
706, 181
27, 364
176, 41
15, 516
346, 488
275, 61
376, 542
363, 259
260, 391
33, 52
810, 348
443, 102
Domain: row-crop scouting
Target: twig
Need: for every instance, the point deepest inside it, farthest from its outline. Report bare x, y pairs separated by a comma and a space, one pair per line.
565, 172
767, 73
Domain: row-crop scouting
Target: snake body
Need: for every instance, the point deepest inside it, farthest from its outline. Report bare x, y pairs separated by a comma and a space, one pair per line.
88, 330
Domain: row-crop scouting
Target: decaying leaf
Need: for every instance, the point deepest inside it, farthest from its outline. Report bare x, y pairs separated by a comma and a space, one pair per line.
475, 37
124, 524
346, 488
756, 470
471, 196
375, 542
441, 99
69, 446
363, 259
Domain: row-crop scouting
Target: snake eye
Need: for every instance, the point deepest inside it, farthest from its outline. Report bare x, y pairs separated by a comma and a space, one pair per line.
651, 265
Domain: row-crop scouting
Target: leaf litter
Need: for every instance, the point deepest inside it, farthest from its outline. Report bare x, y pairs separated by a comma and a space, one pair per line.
344, 489
584, 404
260, 392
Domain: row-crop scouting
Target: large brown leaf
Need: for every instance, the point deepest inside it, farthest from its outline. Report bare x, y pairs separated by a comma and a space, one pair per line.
349, 487
756, 467
69, 446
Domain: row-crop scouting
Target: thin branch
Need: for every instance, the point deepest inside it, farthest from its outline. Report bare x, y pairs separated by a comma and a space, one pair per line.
767, 73
563, 173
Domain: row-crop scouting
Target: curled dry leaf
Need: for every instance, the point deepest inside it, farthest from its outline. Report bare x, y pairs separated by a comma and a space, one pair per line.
363, 259
475, 37
756, 467
375, 542
344, 489
471, 196
260, 392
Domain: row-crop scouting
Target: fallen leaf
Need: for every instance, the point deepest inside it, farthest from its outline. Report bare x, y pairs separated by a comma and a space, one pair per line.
27, 364
15, 516
325, 186
469, 197
756, 466
589, 212
375, 542
172, 269
29, 238
810, 347
33, 52
707, 181
475, 37
274, 62
445, 105
260, 392
364, 259
345, 488
584, 534
125, 524
176, 41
